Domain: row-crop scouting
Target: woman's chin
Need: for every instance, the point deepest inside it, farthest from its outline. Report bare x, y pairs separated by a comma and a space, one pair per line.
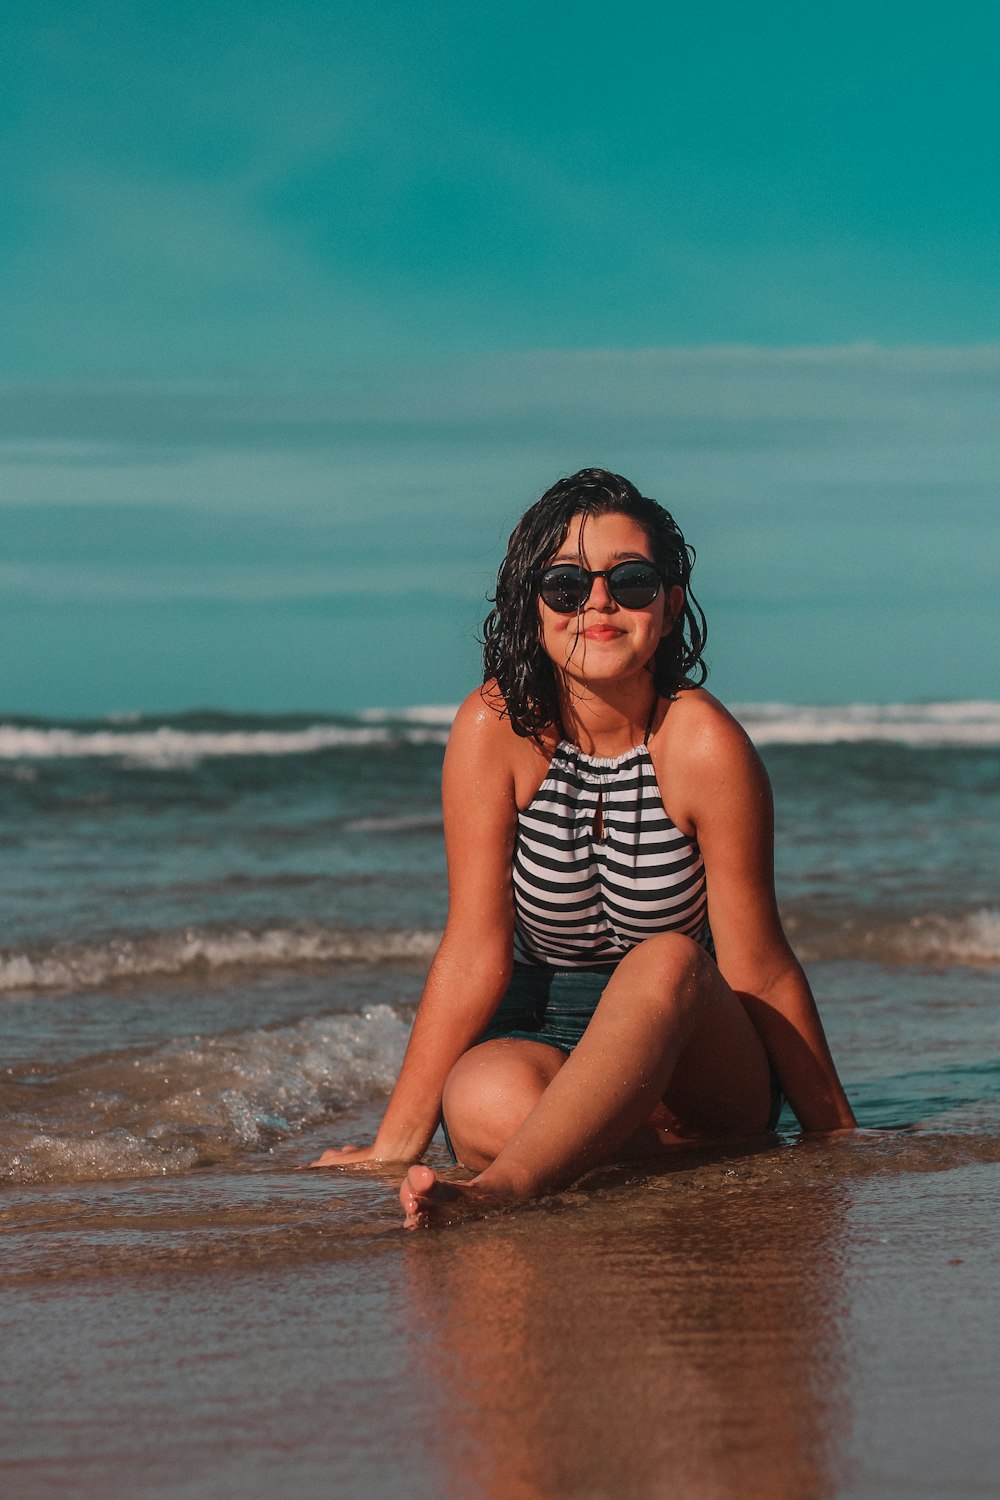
603, 666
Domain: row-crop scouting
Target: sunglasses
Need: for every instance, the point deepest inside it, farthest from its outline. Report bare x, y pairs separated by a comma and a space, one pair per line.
566, 586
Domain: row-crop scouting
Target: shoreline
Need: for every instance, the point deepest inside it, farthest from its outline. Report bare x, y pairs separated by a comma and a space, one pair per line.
747, 1326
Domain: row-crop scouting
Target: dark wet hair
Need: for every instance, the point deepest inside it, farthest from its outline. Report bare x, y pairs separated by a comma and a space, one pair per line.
513, 654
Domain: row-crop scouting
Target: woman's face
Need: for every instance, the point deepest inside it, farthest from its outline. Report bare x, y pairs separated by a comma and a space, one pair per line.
604, 641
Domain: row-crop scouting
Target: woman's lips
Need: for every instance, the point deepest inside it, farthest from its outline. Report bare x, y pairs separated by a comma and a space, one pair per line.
602, 633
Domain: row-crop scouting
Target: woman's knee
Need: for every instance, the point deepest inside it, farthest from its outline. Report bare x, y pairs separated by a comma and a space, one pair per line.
671, 963
489, 1093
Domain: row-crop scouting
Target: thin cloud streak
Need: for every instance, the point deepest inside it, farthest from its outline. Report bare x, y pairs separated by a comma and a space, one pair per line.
726, 383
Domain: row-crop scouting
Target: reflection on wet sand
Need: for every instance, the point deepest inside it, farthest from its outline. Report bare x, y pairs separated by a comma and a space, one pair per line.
685, 1340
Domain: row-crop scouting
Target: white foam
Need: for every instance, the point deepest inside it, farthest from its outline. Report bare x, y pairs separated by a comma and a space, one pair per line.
917, 725
200, 1099
168, 746
193, 952
971, 939
440, 714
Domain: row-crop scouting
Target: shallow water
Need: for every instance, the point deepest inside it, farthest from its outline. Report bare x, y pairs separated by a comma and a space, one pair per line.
217, 932
145, 1081
810, 1320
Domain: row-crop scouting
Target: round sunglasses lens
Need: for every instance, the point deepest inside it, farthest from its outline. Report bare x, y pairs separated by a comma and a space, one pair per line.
563, 589
634, 585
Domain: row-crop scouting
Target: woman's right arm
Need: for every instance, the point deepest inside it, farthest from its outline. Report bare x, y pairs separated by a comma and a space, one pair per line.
472, 967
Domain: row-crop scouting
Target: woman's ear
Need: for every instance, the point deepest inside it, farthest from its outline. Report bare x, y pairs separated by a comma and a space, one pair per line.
672, 608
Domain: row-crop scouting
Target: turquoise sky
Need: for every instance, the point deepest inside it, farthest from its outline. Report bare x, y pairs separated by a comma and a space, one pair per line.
301, 304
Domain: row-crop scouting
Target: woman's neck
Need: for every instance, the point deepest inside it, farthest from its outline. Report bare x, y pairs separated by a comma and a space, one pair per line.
609, 720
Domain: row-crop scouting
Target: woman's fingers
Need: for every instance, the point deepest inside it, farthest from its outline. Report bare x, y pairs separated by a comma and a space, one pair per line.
338, 1156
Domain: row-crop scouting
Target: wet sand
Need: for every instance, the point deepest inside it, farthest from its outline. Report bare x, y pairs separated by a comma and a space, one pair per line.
814, 1320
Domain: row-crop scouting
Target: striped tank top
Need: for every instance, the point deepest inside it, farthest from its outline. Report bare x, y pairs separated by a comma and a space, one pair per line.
599, 866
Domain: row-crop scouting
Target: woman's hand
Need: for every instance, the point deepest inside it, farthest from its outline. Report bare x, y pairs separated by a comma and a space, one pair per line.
351, 1156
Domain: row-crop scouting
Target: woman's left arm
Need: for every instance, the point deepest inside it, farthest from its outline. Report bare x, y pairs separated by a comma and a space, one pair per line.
730, 802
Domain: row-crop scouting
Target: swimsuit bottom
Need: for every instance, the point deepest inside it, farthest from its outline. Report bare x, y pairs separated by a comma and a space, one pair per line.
548, 1005
555, 1006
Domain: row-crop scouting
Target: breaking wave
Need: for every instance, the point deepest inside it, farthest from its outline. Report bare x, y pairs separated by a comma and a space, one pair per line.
190, 738
193, 1101
167, 746
189, 956
970, 939
193, 953
972, 724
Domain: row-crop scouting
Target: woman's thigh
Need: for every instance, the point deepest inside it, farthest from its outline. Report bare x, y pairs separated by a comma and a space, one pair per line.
491, 1089
720, 1083
721, 1080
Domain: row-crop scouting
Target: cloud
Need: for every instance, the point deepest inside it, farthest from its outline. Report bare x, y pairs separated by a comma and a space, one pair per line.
73, 583
715, 399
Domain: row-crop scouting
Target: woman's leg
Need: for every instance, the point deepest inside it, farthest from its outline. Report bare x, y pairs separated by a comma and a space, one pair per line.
491, 1091
667, 1027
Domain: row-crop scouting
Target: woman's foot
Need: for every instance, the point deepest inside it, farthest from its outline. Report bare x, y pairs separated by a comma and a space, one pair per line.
428, 1202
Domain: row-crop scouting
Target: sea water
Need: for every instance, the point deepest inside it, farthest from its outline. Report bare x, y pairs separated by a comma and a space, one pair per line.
216, 931
216, 927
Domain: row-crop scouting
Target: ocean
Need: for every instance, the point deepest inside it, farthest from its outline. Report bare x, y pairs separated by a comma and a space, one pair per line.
216, 930
216, 927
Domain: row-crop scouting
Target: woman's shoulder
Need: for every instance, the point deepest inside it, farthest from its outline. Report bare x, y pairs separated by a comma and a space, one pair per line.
485, 752
699, 733
483, 729
697, 710
482, 716
706, 764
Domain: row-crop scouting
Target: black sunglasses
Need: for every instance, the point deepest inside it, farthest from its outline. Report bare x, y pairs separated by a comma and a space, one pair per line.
566, 587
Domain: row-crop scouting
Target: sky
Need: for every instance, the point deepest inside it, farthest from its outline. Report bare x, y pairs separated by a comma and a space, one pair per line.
302, 304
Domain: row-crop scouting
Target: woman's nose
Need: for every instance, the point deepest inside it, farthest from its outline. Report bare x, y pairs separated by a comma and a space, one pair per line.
600, 595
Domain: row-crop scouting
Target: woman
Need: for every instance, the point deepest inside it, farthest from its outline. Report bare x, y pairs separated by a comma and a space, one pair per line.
613, 975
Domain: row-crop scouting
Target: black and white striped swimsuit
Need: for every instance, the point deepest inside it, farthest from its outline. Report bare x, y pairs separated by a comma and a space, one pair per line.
599, 866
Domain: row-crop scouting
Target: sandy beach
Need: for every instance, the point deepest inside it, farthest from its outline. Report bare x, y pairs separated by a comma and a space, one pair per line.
811, 1320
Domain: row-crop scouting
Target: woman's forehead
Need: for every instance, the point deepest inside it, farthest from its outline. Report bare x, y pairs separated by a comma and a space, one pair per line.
609, 532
